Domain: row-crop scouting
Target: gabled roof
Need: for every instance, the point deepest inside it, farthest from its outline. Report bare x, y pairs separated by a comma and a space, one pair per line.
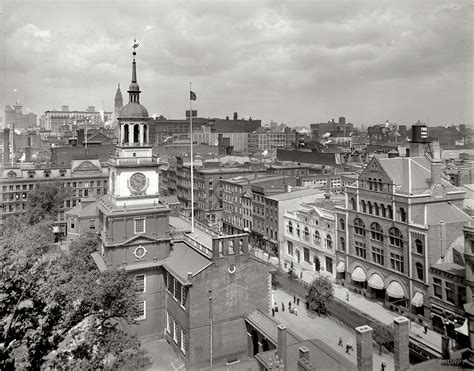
139, 238
82, 211
411, 175
430, 214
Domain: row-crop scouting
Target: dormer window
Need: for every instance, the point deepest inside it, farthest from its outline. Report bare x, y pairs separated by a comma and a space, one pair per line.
11, 175
31, 174
47, 173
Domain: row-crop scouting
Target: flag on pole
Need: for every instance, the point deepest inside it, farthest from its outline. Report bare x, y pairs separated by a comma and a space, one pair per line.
192, 95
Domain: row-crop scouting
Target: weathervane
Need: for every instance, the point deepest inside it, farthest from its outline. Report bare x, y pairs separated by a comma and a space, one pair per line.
134, 46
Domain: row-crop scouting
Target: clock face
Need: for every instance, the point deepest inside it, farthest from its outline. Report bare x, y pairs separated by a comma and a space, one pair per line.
137, 181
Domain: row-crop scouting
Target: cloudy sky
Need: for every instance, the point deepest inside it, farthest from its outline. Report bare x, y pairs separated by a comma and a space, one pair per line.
296, 62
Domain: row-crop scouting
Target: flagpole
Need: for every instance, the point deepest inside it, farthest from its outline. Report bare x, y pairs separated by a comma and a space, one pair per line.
191, 154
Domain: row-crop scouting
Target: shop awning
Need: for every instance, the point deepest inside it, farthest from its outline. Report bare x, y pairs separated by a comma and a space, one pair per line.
395, 290
358, 275
417, 300
463, 329
376, 282
341, 267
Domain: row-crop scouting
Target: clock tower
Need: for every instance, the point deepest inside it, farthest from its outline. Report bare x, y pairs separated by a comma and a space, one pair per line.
133, 222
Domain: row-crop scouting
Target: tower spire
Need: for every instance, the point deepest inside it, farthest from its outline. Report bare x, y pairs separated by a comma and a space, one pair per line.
134, 89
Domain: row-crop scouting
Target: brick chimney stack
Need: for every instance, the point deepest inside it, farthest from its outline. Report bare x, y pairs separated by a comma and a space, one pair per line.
364, 348
303, 360
282, 346
401, 341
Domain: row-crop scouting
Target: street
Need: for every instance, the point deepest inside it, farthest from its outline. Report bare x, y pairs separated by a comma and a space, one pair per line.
324, 328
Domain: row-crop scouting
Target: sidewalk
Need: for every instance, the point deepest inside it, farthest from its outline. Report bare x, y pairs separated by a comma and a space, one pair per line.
375, 310
325, 329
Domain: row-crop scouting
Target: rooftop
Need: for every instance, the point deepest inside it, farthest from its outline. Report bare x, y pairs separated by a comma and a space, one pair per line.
431, 214
296, 194
184, 260
412, 175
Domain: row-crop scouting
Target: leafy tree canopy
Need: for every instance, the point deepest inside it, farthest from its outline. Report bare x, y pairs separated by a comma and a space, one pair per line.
383, 335
58, 310
45, 201
320, 294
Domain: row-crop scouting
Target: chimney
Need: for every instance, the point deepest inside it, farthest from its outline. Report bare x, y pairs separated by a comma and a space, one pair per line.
364, 348
401, 341
6, 146
303, 360
282, 346
190, 276
435, 172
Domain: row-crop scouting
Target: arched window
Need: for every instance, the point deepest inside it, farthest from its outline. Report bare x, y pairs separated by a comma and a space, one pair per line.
402, 214
376, 208
369, 204
396, 237
329, 242
342, 244
136, 133
364, 206
389, 212
419, 271
126, 135
317, 237
359, 227
353, 204
382, 209
419, 246
290, 227
306, 233
342, 224
370, 184
380, 185
145, 133
298, 231
376, 231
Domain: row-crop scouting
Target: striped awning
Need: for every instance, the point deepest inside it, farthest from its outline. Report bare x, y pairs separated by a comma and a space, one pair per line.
358, 275
417, 300
341, 267
463, 329
376, 282
395, 290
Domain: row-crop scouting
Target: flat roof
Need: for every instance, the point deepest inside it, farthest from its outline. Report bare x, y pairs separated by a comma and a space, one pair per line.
295, 194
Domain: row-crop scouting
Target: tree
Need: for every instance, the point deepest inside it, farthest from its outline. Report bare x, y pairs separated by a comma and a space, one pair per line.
320, 294
60, 311
291, 272
45, 201
383, 335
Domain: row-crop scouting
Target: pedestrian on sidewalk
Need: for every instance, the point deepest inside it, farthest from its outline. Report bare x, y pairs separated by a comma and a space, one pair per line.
350, 345
289, 305
383, 365
340, 341
294, 298
282, 307
347, 295
347, 349
296, 311
425, 326
276, 308
297, 301
273, 312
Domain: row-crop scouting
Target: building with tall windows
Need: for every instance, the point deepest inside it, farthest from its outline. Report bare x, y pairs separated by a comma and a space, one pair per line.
309, 238
399, 219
